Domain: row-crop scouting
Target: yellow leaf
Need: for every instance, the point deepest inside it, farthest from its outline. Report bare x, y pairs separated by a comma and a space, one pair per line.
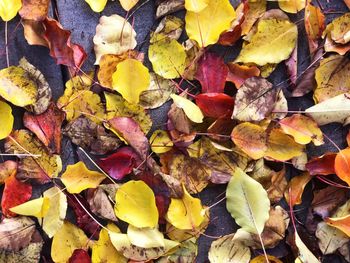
103, 249
66, 240
185, 213
53, 220
114, 35
206, 26
160, 142
339, 29
130, 79
9, 9
36, 207
305, 255
17, 87
291, 6
135, 204
273, 42
168, 57
196, 5
262, 259
6, 120
145, 237
192, 111
97, 5
77, 178
128, 4
256, 9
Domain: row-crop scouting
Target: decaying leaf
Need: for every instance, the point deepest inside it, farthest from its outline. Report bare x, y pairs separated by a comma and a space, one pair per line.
114, 35
327, 199
330, 239
186, 252
7, 168
6, 119
339, 29
342, 223
247, 201
100, 204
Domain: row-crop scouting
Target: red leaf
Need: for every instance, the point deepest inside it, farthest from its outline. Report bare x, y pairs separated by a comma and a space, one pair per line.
120, 163
239, 73
61, 47
47, 127
15, 193
215, 105
80, 256
211, 73
322, 165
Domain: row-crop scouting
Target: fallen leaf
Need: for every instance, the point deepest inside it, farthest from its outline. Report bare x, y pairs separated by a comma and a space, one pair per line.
295, 189
130, 79
169, 6
36, 207
327, 199
262, 259
128, 4
322, 165
339, 29
55, 215
34, 32
91, 136
78, 177
100, 204
185, 213
281, 34
336, 109
303, 129
206, 26
196, 5
145, 237
34, 9
40, 165
292, 66
292, 6
314, 25
80, 256
168, 57
305, 254
97, 5
7, 168
211, 73
114, 35
186, 252
135, 204
255, 10
6, 118
215, 105
160, 142
171, 27
254, 100
47, 127
237, 73
247, 202
330, 239
341, 165
9, 9
191, 110
66, 240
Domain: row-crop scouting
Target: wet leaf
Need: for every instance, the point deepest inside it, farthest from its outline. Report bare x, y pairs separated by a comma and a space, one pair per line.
9, 9
114, 35
36, 207
215, 105
34, 9
342, 165
247, 202
295, 189
6, 118
78, 177
130, 79
206, 26
292, 6
255, 100
135, 204
191, 110
97, 5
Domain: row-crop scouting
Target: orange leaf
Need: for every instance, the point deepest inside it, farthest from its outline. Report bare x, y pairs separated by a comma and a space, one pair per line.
342, 223
296, 188
342, 165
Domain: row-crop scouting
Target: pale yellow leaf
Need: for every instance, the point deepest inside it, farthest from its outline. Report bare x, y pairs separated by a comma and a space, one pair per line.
191, 110
97, 5
6, 120
36, 207
145, 237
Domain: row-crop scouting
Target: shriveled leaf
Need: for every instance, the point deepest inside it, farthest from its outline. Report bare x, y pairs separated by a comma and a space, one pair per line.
130, 79
206, 26
78, 177
185, 213
114, 35
36, 207
40, 165
291, 6
239, 73
191, 110
255, 100
168, 57
55, 215
9, 9
100, 204
295, 189
6, 120
273, 42
342, 165
97, 5
135, 204
145, 237
336, 109
66, 240
247, 202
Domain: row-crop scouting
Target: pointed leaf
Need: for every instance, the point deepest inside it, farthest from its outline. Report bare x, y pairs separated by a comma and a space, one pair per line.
9, 9
36, 207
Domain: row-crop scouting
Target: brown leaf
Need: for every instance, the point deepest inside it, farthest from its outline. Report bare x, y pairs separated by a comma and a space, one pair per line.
33, 32
36, 10
169, 6
100, 204
239, 73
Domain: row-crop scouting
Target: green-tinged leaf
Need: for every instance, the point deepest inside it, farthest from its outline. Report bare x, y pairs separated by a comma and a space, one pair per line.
145, 237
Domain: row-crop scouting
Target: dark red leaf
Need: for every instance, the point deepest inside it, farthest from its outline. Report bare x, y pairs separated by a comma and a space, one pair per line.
215, 105
80, 256
211, 73
322, 165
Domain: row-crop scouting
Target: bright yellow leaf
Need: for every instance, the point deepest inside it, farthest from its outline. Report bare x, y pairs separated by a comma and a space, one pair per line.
135, 204
206, 26
36, 207
6, 120
185, 213
128, 4
192, 111
53, 220
160, 142
168, 57
130, 79
66, 240
77, 178
103, 249
97, 5
9, 9
145, 237
291, 6
196, 5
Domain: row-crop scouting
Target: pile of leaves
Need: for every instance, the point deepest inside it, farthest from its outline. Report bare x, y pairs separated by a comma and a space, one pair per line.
133, 196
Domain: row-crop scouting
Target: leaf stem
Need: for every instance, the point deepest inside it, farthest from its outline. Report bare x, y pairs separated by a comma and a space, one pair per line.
6, 46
